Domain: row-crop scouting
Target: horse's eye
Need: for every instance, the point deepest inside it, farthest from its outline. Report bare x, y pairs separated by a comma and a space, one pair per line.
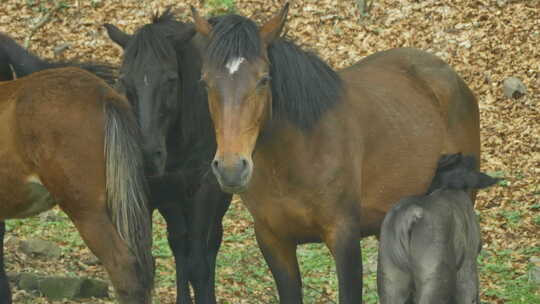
263, 81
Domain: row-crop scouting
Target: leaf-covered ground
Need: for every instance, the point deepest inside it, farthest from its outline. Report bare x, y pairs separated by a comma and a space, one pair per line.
484, 40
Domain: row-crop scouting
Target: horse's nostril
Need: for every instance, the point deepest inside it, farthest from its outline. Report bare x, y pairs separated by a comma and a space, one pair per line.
215, 164
244, 163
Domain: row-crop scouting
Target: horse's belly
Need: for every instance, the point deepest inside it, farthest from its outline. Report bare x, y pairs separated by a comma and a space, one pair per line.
22, 196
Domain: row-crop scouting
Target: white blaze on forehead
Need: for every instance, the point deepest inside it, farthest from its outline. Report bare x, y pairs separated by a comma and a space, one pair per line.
34, 178
234, 64
145, 79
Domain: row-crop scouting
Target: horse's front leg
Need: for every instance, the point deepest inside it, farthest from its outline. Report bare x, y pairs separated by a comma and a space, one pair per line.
280, 255
208, 207
177, 236
5, 293
167, 194
345, 248
216, 237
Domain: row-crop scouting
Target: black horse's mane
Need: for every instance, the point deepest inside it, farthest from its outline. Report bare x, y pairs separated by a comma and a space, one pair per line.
153, 38
24, 62
303, 86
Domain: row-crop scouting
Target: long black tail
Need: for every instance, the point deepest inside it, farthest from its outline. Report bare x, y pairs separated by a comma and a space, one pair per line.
459, 172
25, 63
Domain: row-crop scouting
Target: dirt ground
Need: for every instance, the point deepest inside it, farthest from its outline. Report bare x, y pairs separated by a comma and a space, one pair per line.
485, 41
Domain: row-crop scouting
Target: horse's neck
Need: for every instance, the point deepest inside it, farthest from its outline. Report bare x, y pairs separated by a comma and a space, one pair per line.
22, 61
193, 122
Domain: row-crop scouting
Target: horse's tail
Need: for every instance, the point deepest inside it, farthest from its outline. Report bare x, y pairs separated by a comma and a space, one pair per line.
396, 230
126, 187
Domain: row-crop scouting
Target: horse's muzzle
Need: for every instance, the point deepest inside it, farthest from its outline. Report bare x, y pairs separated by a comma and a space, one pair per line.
233, 172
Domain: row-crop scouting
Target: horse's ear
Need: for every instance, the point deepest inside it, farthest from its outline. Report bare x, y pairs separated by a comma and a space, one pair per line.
273, 27
117, 35
183, 37
201, 25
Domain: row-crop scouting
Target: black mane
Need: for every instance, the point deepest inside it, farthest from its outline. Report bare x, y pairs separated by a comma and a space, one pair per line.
154, 38
459, 172
24, 62
304, 87
233, 36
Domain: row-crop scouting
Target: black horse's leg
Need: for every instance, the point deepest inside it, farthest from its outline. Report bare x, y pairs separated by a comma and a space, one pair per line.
5, 293
208, 200
215, 238
345, 247
280, 255
166, 193
177, 236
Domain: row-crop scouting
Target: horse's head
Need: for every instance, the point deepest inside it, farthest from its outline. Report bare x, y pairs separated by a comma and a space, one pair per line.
236, 72
150, 78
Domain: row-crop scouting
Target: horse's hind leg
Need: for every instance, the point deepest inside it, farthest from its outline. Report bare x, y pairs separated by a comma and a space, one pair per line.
345, 248
91, 218
280, 255
434, 270
393, 285
467, 282
5, 293
177, 236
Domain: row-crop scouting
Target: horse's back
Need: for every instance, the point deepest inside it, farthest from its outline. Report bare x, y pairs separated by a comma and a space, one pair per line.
52, 128
411, 107
455, 102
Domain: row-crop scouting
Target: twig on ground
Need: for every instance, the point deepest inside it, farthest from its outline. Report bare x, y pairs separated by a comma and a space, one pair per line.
44, 19
327, 297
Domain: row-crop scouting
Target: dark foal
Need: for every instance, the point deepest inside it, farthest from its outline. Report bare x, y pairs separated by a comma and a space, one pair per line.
160, 75
429, 244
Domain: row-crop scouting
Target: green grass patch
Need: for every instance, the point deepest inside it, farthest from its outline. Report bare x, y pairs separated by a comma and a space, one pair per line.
221, 7
511, 286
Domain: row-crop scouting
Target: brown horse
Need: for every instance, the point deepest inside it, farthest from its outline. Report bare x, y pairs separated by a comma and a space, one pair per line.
67, 138
322, 156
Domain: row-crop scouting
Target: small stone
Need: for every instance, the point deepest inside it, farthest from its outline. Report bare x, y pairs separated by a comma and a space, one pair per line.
466, 44
58, 288
534, 272
91, 288
50, 216
13, 277
513, 87
28, 282
91, 260
501, 3
40, 248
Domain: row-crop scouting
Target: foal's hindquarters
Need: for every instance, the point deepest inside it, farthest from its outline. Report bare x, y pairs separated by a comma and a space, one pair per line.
66, 138
428, 250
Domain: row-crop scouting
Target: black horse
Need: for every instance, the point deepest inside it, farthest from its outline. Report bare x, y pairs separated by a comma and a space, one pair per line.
160, 76
17, 61
14, 59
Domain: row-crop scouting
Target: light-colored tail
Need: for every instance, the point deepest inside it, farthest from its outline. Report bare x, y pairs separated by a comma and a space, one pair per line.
126, 187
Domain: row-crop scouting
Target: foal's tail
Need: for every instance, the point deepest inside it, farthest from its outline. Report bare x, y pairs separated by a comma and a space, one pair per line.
126, 187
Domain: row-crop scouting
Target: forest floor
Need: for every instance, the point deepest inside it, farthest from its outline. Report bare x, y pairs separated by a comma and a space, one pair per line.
485, 41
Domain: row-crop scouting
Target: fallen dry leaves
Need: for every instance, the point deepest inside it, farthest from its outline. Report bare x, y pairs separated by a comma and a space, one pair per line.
484, 40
